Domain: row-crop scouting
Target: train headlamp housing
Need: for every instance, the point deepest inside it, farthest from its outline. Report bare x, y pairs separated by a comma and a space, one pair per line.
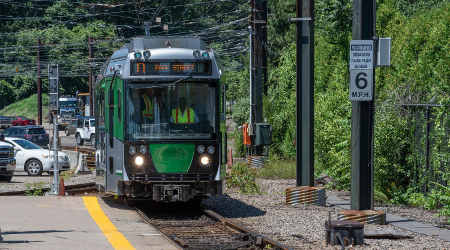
138, 55
211, 149
196, 53
139, 161
132, 150
205, 54
205, 160
147, 54
201, 149
143, 149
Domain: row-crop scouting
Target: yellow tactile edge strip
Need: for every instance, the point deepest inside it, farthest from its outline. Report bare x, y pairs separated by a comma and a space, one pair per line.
115, 238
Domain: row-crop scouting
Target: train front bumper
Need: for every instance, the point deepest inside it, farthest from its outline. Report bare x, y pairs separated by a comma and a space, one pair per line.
169, 192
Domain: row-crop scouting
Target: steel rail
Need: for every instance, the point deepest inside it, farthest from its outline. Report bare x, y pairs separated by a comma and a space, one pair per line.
255, 239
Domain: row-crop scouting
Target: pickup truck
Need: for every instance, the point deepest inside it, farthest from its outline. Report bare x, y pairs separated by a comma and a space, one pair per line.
7, 161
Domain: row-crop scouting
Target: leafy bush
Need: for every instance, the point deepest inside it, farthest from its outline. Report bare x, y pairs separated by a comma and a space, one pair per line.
7, 94
243, 178
35, 189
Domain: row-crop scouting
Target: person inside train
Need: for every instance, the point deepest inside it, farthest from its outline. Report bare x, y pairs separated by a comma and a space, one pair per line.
150, 106
183, 114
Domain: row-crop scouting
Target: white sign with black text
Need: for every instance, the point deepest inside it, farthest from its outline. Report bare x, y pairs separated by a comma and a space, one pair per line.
361, 85
361, 54
361, 70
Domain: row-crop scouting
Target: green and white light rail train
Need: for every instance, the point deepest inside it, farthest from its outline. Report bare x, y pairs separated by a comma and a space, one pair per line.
159, 106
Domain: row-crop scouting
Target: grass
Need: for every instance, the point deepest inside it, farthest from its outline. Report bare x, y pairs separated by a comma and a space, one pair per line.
27, 107
67, 175
244, 177
35, 189
277, 169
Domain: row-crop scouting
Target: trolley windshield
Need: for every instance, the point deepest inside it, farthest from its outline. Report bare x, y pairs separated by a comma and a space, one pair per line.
171, 111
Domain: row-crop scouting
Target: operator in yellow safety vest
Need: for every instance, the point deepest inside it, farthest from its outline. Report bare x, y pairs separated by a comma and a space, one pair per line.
150, 110
183, 114
148, 107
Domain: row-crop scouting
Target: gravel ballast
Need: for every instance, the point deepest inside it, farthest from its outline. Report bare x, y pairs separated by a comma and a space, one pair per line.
302, 227
21, 181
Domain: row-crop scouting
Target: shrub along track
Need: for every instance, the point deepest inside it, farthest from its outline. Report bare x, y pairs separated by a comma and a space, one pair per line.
204, 229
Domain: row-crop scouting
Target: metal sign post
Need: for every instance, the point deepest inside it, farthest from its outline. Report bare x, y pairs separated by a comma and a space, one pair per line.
53, 79
362, 95
305, 93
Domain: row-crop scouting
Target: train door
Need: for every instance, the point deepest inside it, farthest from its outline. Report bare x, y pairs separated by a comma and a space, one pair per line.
114, 144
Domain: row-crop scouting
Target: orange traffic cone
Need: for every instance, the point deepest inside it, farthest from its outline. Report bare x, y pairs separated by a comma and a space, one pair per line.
61, 191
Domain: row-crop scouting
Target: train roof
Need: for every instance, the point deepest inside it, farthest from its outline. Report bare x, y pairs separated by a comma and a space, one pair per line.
161, 49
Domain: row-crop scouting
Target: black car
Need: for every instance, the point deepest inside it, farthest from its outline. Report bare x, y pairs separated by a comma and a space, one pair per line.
36, 134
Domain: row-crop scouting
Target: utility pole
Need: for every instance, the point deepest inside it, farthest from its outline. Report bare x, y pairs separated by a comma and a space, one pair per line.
258, 67
305, 92
259, 39
91, 78
252, 104
39, 83
364, 13
53, 86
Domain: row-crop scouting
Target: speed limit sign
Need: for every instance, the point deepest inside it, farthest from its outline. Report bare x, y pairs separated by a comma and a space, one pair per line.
361, 70
361, 87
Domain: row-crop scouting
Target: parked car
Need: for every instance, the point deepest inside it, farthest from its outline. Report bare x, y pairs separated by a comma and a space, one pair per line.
85, 130
7, 161
34, 160
6, 121
36, 134
22, 121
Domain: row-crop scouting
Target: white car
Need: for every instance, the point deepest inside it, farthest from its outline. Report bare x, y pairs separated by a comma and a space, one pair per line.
33, 159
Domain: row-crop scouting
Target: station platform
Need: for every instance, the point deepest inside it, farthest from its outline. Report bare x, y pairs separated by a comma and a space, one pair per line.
69, 222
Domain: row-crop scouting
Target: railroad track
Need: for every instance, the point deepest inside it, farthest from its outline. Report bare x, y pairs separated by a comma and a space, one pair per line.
75, 189
205, 229
82, 149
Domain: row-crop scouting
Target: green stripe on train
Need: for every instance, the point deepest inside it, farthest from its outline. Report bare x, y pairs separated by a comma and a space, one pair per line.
172, 158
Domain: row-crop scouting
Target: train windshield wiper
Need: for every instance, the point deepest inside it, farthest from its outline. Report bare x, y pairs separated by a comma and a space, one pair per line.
182, 80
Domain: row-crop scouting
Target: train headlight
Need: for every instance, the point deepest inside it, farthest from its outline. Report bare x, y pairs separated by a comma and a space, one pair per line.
201, 149
139, 161
132, 150
205, 160
143, 149
147, 54
211, 149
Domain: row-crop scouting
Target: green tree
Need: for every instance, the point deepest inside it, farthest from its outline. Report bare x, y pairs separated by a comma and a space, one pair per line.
7, 95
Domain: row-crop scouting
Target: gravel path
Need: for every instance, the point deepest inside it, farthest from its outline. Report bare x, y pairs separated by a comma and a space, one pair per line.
301, 227
21, 181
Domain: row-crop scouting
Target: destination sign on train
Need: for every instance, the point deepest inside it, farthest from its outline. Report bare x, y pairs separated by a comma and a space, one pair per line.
170, 68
